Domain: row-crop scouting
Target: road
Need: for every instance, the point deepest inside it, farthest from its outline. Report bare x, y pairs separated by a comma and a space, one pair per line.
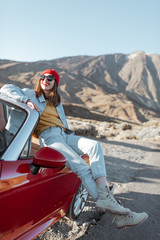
142, 194
134, 167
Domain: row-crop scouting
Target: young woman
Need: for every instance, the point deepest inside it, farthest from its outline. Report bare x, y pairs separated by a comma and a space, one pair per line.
53, 131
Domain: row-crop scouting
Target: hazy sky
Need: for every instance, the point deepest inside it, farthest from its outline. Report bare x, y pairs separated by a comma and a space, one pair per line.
32, 30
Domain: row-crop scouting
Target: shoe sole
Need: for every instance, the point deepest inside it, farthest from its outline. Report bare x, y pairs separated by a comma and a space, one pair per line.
133, 225
112, 212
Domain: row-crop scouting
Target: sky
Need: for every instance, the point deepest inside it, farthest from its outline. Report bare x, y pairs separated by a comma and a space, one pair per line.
33, 30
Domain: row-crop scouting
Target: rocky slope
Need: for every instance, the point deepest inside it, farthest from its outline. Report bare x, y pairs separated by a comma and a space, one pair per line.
108, 87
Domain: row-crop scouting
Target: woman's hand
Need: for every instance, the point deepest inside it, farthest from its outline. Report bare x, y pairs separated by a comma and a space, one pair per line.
32, 105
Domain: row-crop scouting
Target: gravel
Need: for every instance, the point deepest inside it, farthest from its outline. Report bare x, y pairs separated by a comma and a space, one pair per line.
125, 160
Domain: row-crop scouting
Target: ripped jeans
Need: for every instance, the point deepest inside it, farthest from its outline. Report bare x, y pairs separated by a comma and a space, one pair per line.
72, 147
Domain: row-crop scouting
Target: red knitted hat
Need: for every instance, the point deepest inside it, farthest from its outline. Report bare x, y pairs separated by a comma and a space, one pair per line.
53, 73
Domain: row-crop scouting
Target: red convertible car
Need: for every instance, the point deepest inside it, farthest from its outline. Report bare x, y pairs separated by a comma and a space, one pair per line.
36, 188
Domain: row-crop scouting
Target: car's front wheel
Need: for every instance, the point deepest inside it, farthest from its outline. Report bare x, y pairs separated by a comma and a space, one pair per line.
77, 203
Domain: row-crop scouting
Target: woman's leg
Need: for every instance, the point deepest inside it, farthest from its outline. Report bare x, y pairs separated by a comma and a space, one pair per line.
56, 139
93, 148
101, 181
82, 145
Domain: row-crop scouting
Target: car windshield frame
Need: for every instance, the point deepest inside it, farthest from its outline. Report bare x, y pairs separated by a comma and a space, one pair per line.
17, 144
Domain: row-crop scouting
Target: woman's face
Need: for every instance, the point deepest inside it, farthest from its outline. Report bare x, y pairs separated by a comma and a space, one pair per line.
47, 85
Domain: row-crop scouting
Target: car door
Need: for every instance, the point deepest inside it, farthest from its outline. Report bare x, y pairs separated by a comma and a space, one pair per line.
30, 201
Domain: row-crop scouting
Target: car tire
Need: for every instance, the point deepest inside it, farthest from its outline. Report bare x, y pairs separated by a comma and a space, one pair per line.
77, 203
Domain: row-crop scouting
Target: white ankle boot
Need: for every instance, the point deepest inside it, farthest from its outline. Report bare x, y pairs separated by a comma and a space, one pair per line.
130, 220
107, 202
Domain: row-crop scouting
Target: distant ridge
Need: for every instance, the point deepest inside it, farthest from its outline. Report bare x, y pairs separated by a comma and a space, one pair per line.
112, 86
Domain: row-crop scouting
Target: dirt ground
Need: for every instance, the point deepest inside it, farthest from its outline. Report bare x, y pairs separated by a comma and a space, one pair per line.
134, 167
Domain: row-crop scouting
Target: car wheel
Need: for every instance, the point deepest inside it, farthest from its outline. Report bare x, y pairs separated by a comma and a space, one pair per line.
77, 203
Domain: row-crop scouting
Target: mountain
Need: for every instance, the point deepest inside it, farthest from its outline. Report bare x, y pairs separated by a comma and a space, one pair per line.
109, 87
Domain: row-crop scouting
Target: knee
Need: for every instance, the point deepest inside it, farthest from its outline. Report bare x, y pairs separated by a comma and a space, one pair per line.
81, 169
95, 145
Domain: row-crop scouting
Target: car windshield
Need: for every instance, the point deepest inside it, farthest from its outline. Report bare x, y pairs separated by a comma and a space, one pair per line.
12, 118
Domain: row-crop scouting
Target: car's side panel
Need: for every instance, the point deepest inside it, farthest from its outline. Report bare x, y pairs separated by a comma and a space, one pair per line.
27, 200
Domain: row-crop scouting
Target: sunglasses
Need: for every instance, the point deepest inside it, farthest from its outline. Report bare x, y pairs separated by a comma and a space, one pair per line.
49, 78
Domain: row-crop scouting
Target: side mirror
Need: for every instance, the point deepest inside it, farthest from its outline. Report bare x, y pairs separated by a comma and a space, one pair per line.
47, 158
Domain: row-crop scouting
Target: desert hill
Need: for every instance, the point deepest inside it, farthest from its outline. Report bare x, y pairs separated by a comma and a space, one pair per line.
107, 88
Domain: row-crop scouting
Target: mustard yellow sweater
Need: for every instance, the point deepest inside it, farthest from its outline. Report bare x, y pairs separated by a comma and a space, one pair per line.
49, 118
